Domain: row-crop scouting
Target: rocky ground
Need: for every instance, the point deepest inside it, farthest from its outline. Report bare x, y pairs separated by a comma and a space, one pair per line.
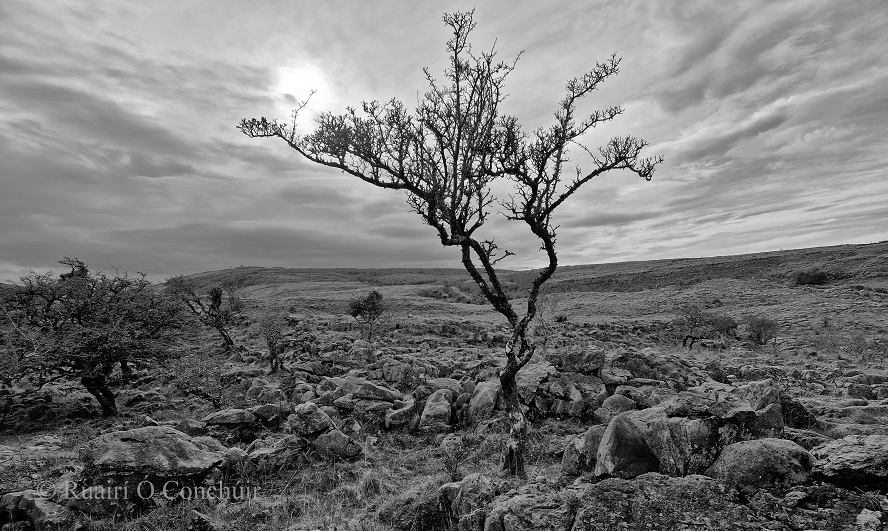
405, 432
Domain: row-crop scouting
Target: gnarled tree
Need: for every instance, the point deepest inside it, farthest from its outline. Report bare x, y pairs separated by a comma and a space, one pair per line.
82, 324
367, 310
448, 153
210, 309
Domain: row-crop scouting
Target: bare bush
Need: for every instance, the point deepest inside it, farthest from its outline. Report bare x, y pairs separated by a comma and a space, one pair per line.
760, 328
812, 276
271, 326
366, 311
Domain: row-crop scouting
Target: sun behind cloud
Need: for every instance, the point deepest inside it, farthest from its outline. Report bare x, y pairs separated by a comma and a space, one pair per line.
295, 84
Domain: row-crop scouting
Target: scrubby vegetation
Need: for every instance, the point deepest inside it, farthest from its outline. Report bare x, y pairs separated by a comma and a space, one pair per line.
809, 277
367, 310
387, 433
84, 324
761, 329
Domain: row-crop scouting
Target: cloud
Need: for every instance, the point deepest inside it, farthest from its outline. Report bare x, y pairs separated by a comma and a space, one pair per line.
118, 140
598, 219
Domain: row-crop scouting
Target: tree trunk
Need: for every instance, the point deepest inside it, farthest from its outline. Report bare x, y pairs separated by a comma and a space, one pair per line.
225, 337
126, 372
97, 386
513, 462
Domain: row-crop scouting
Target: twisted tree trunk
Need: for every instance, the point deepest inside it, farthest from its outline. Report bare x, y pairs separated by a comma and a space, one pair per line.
513, 462
97, 385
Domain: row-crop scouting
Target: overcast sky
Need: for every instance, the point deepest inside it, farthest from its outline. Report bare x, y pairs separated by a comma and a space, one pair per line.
118, 142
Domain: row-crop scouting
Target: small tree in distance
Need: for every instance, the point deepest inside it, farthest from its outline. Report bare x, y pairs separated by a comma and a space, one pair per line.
366, 310
761, 329
271, 326
448, 153
209, 309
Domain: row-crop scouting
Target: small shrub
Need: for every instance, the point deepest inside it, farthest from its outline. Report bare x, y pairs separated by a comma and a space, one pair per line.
367, 310
813, 276
200, 374
761, 329
271, 327
693, 323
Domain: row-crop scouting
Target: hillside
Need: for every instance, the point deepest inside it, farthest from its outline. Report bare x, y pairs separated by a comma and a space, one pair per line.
407, 431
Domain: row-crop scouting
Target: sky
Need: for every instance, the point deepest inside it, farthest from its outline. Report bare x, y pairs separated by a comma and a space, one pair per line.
118, 142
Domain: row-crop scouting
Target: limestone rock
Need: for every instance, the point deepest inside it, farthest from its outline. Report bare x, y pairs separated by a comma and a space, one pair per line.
230, 417
437, 412
581, 452
395, 418
155, 451
371, 391
484, 399
856, 460
307, 420
466, 501
336, 444
761, 463
31, 506
623, 451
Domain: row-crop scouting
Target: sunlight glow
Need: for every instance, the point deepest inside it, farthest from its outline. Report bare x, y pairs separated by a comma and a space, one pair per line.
296, 83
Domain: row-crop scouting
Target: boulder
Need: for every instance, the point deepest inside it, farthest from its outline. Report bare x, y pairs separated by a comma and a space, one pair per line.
652, 501
661, 503
650, 364
857, 390
613, 406
582, 361
445, 383
260, 391
623, 451
807, 439
580, 454
416, 508
371, 391
272, 413
437, 412
335, 444
686, 433
192, 427
646, 395
465, 502
796, 415
155, 451
283, 453
762, 463
31, 506
309, 421
484, 399
230, 418
859, 461
531, 377
395, 418
398, 373
361, 351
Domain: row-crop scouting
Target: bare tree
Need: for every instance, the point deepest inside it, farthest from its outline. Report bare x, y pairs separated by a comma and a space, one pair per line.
83, 324
694, 324
271, 326
201, 373
367, 310
209, 309
446, 156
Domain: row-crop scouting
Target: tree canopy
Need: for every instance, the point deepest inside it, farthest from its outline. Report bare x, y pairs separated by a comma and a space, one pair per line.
82, 324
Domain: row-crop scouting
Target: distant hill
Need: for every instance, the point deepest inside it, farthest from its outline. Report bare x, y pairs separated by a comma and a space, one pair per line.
863, 263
